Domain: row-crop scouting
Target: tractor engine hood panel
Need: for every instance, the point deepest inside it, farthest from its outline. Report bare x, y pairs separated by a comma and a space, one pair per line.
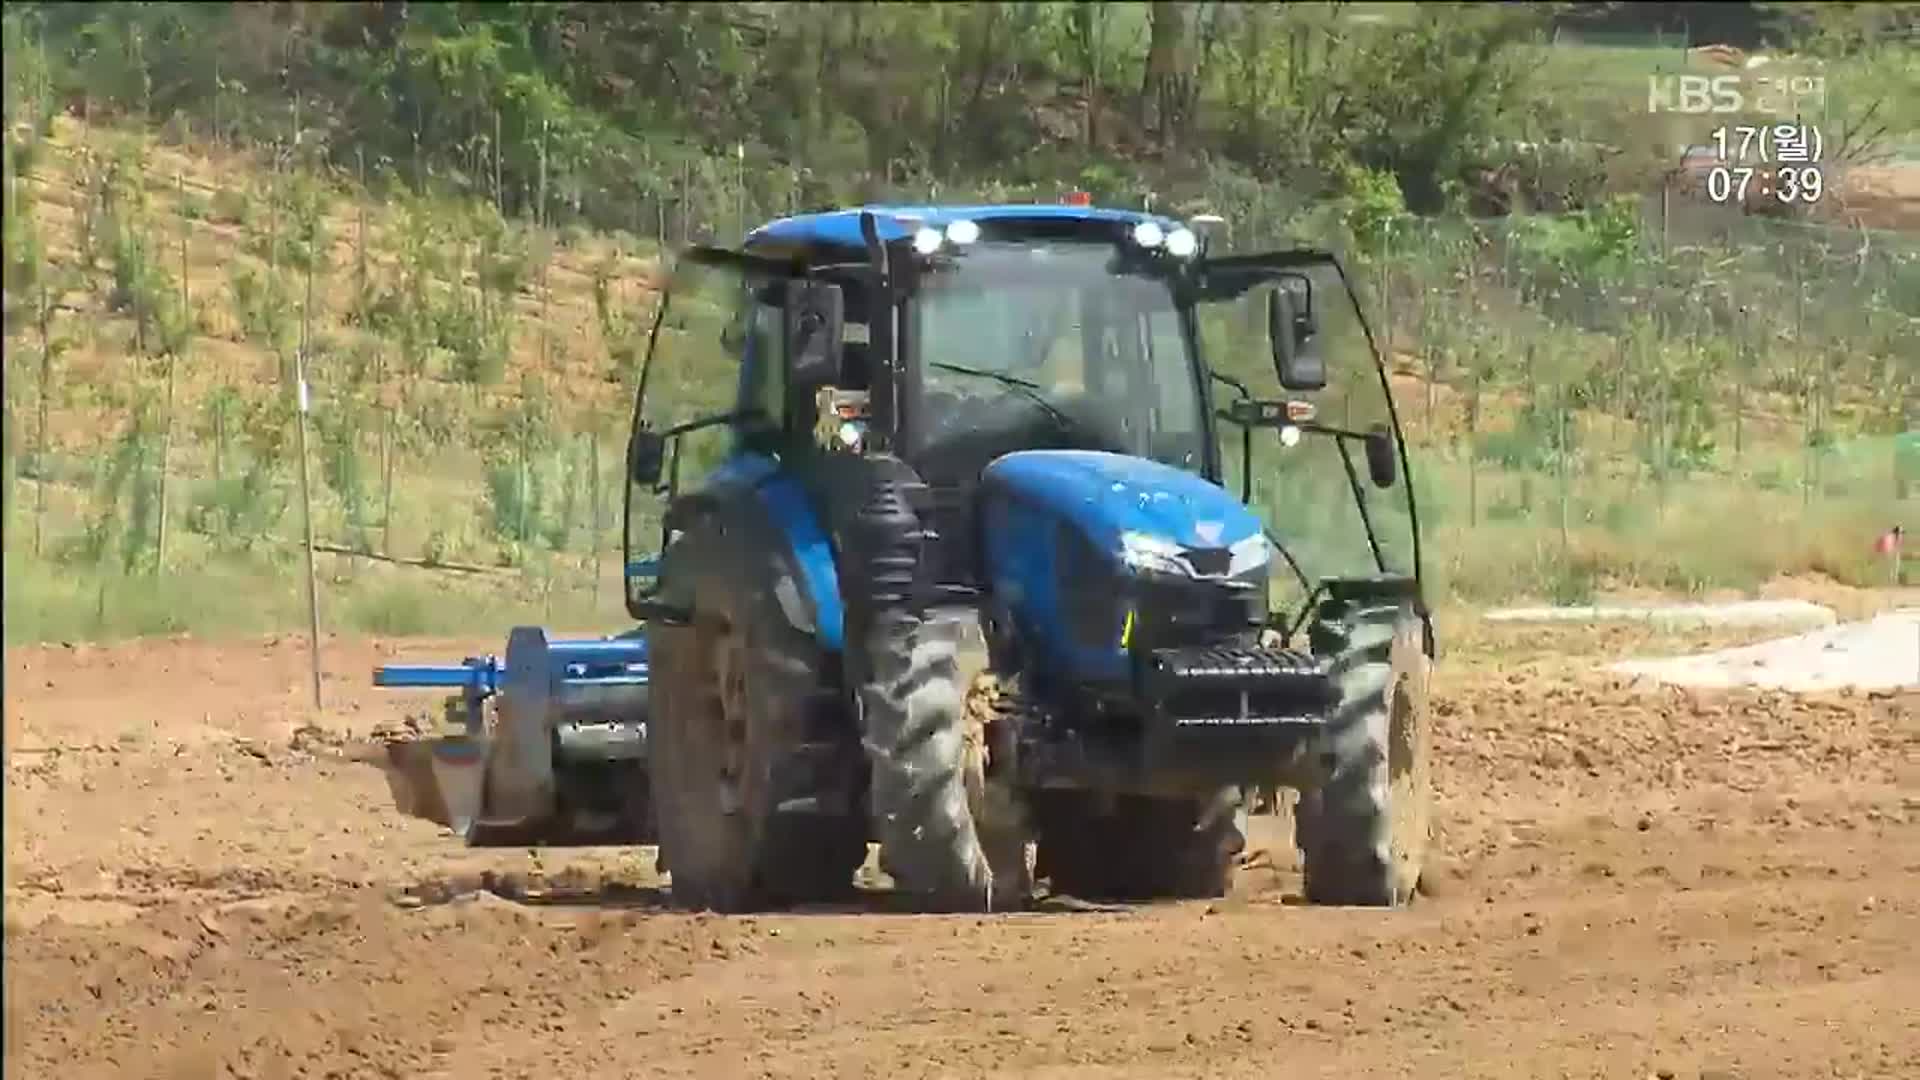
1110, 496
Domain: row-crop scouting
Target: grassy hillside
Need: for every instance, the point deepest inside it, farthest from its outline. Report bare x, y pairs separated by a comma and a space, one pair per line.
1589, 415
469, 389
1628, 392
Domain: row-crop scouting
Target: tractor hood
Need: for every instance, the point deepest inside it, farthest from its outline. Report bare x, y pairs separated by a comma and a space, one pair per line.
1136, 510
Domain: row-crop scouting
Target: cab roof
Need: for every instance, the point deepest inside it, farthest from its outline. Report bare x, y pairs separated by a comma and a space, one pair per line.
840, 229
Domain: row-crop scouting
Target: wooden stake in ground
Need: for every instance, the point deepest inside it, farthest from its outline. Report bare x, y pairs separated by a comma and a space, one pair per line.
1473, 439
1560, 463
593, 496
360, 234
306, 481
173, 367
1810, 403
386, 480
44, 317
1386, 292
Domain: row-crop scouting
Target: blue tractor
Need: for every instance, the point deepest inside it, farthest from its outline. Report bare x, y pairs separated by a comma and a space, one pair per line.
933, 539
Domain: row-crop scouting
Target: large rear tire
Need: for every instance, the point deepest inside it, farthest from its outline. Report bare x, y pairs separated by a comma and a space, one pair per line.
732, 698
1365, 831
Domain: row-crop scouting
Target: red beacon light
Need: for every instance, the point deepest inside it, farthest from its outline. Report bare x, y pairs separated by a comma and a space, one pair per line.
1078, 198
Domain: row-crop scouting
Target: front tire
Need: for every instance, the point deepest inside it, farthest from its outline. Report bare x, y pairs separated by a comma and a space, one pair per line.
1364, 832
915, 729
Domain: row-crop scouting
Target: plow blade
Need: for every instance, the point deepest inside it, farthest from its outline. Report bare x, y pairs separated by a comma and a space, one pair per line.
442, 780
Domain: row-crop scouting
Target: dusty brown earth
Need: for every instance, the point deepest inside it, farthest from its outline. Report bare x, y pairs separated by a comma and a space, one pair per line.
1882, 196
202, 880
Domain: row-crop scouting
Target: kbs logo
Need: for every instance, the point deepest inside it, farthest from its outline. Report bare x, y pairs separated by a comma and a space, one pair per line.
1698, 94
1695, 94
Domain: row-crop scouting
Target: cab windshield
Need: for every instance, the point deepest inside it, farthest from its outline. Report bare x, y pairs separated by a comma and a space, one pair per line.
1052, 346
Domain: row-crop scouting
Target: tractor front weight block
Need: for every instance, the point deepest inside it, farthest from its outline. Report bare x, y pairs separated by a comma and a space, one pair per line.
1192, 718
1227, 709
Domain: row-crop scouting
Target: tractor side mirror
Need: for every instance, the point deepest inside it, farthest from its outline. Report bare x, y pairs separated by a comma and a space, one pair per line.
1383, 466
815, 326
646, 458
1290, 330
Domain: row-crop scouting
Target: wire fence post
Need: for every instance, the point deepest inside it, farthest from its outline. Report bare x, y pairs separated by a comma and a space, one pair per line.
386, 478
306, 470
593, 498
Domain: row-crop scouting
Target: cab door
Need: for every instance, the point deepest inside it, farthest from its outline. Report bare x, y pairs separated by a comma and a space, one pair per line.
1313, 488
711, 396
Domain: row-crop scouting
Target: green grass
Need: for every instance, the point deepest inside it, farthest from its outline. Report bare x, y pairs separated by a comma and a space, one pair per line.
1710, 534
240, 597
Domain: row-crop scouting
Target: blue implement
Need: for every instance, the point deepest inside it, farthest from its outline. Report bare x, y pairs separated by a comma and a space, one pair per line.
583, 664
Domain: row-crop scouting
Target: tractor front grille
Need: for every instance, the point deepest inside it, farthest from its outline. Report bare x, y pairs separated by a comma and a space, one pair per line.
1234, 662
1225, 686
1210, 561
1173, 613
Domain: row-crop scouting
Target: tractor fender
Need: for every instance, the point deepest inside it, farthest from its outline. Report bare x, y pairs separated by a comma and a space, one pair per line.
758, 493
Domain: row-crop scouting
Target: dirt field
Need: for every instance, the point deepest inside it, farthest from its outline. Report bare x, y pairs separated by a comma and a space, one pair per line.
1638, 882
1882, 197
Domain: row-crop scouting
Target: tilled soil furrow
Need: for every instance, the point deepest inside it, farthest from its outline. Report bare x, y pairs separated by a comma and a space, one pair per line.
1634, 883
